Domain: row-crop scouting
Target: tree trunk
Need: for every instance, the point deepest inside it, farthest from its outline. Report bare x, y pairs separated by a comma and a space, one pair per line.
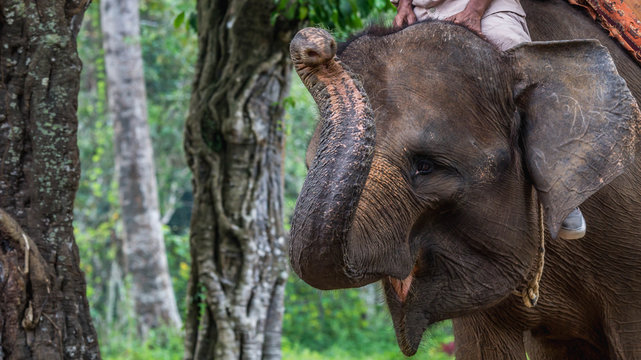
234, 146
44, 312
152, 290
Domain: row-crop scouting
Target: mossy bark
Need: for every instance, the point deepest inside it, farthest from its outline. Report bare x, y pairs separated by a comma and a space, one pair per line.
234, 146
44, 312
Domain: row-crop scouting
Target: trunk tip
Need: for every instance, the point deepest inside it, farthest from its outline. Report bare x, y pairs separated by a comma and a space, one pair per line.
312, 47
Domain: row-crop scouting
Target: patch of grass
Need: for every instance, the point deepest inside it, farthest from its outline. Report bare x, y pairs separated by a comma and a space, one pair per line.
167, 344
161, 344
431, 348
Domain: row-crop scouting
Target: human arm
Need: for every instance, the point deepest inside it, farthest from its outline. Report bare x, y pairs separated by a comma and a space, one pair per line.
404, 13
471, 15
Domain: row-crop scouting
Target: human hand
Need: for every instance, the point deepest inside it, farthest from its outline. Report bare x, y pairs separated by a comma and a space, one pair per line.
404, 14
468, 18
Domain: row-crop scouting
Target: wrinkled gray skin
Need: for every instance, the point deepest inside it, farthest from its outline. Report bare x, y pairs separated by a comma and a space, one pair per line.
431, 157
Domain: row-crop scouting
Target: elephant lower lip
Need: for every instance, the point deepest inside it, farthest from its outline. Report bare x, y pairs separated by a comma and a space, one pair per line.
409, 337
410, 349
408, 323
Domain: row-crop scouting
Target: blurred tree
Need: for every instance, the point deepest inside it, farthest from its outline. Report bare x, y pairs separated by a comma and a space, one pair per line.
168, 57
43, 306
144, 245
234, 146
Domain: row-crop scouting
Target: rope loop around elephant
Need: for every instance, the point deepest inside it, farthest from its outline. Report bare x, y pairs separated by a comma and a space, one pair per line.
530, 294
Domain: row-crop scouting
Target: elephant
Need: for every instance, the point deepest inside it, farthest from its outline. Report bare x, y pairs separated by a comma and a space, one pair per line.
443, 168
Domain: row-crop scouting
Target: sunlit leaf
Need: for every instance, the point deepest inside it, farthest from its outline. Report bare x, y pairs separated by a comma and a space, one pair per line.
179, 20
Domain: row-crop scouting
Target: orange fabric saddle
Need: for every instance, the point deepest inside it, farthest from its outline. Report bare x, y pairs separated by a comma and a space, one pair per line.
622, 18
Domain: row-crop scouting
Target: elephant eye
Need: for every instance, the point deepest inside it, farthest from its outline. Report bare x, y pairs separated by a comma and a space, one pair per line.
424, 167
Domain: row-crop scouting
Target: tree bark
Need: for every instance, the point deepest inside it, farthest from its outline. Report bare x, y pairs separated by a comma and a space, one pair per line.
234, 147
44, 312
152, 290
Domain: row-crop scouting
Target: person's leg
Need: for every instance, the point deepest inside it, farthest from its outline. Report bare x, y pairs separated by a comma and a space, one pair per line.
505, 29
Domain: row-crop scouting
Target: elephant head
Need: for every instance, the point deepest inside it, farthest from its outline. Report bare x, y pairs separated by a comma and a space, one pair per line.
432, 153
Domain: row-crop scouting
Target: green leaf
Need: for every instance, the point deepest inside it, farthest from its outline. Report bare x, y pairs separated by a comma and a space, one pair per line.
282, 4
335, 17
290, 13
303, 12
180, 19
193, 21
289, 102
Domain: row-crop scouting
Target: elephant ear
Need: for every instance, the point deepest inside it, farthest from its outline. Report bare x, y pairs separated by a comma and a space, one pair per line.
579, 122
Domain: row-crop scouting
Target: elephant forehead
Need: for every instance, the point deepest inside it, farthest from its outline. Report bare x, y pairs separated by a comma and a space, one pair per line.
441, 119
449, 109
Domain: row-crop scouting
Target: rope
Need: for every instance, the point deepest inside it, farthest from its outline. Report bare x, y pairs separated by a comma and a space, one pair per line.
530, 294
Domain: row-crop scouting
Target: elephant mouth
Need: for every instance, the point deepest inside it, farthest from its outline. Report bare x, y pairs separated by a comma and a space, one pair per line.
409, 323
402, 287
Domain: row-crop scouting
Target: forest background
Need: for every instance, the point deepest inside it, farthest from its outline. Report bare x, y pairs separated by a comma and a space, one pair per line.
350, 324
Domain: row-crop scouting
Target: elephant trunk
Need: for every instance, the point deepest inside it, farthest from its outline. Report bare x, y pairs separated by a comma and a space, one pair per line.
320, 235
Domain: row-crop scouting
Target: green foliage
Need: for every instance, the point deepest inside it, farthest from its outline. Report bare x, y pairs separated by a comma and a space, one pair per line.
300, 121
96, 207
161, 344
340, 16
169, 56
318, 319
347, 324
179, 261
430, 349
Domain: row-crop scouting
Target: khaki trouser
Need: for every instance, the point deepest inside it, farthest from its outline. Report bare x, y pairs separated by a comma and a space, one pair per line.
505, 29
503, 23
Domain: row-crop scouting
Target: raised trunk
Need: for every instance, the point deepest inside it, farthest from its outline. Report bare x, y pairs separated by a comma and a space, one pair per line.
151, 290
234, 146
325, 250
44, 312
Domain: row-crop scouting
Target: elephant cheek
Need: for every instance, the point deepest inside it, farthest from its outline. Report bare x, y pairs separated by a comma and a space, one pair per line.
383, 219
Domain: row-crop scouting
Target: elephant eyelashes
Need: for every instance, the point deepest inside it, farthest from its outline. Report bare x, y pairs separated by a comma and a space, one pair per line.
424, 167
